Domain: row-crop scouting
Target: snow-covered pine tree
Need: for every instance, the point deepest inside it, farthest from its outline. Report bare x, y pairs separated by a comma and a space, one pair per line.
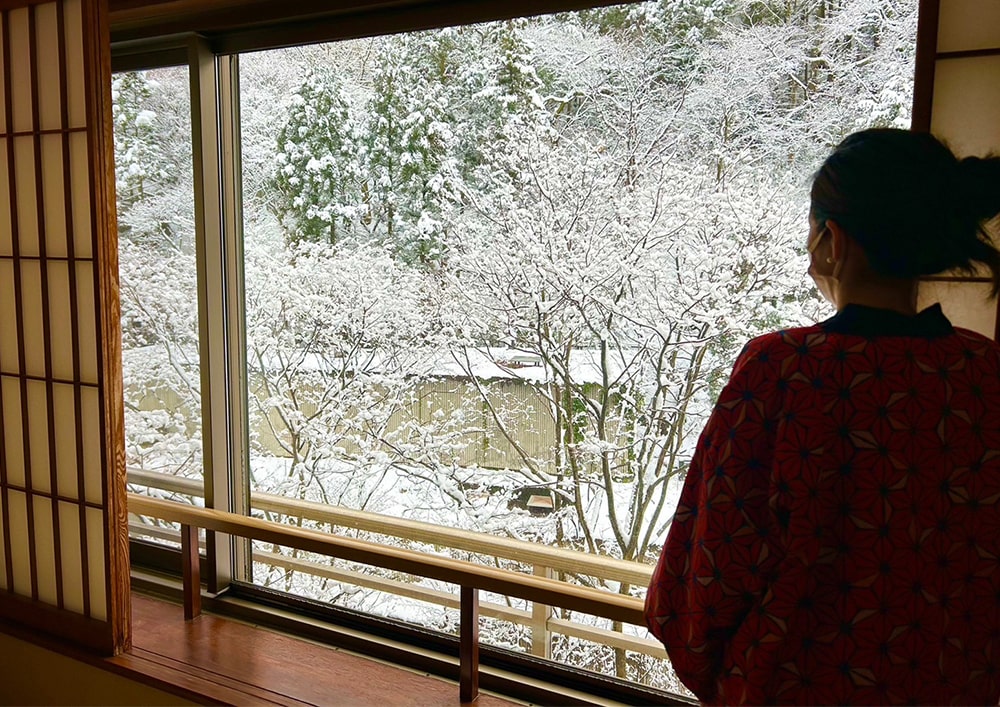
317, 178
408, 143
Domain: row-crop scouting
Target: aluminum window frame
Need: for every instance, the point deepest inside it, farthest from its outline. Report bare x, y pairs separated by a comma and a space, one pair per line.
214, 93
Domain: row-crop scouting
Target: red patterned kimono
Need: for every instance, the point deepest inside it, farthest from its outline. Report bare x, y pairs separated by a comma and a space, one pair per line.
838, 535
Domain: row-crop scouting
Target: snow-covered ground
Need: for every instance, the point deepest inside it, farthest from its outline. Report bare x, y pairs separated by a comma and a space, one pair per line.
480, 500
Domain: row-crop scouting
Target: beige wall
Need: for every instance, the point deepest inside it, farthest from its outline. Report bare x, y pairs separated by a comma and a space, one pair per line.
30, 675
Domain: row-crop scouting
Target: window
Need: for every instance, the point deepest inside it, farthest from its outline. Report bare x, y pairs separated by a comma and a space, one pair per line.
159, 288
482, 285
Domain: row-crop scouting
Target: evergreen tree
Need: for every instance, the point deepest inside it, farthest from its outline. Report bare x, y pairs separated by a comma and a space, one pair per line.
317, 179
141, 167
498, 88
408, 145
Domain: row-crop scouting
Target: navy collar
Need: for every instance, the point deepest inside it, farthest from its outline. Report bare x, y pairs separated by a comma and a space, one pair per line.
871, 322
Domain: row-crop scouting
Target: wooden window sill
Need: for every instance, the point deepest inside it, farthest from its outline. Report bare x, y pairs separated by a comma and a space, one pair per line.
215, 660
222, 661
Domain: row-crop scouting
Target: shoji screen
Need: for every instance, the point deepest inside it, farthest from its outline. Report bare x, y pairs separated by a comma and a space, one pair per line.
64, 559
959, 101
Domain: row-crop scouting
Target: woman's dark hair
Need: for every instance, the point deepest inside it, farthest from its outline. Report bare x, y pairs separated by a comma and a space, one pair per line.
910, 203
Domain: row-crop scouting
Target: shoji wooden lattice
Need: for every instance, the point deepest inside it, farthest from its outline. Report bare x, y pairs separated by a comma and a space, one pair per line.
957, 98
64, 560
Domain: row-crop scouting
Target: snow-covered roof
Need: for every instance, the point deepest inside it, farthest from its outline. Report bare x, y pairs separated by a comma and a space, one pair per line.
484, 363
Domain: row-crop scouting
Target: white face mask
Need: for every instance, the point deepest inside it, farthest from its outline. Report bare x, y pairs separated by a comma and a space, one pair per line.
826, 284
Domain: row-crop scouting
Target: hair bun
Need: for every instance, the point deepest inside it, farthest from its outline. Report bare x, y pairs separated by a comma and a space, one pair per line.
979, 183
912, 206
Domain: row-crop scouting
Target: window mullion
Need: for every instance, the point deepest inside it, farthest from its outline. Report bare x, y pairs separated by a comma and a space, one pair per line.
232, 200
212, 301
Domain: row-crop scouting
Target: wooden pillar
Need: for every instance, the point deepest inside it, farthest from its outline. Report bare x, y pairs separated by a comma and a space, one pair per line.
190, 560
468, 646
541, 644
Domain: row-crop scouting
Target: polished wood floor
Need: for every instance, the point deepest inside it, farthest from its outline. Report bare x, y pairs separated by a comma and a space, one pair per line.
217, 660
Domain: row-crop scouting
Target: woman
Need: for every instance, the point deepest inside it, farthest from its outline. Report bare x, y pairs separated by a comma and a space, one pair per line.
838, 535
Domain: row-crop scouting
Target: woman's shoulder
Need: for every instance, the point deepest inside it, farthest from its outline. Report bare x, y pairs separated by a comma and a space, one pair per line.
978, 344
816, 341
974, 337
785, 341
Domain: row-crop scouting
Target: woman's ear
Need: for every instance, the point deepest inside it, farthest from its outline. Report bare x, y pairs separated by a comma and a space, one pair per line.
839, 240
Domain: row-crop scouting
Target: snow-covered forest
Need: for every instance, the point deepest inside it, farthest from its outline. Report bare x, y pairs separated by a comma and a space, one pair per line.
496, 275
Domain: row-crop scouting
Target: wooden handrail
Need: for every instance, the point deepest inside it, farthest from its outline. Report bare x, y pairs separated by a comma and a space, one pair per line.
470, 577
448, 600
559, 559
466, 574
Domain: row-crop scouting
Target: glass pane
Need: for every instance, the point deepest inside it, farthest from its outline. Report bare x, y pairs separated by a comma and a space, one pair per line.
496, 276
159, 294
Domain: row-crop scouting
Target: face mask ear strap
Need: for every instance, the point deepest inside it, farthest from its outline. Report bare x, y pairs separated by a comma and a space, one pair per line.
838, 263
812, 245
